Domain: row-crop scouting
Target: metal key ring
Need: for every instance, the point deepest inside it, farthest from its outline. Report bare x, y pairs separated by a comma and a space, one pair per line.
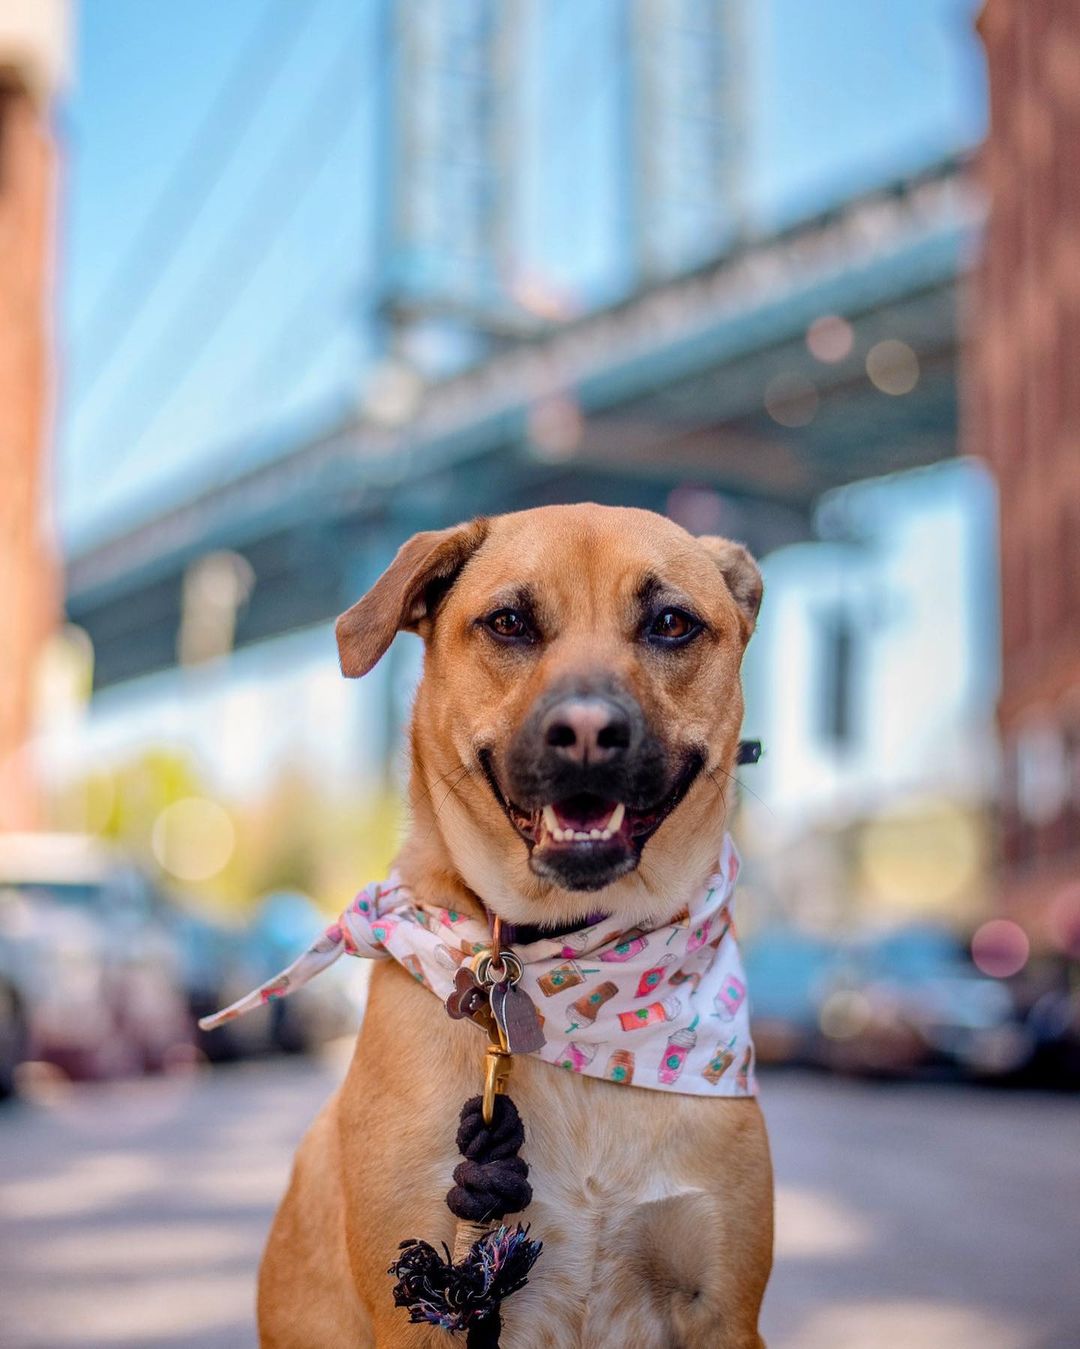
510, 969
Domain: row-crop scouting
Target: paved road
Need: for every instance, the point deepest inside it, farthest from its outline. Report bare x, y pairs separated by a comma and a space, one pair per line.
908, 1217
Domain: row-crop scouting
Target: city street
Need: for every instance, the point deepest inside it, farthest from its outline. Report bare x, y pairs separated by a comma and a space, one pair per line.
909, 1217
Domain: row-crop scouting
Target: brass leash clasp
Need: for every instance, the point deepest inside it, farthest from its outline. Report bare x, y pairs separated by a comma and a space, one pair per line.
497, 1065
497, 1058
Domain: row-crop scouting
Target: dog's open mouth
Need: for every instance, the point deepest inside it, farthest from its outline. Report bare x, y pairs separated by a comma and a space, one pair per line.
584, 840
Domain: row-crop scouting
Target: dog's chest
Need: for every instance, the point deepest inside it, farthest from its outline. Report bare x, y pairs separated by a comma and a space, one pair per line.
616, 1208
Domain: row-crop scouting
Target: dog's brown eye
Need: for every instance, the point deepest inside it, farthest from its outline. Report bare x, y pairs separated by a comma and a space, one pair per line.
673, 626
507, 623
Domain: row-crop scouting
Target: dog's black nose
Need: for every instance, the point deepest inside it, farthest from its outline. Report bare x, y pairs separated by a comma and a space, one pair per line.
587, 730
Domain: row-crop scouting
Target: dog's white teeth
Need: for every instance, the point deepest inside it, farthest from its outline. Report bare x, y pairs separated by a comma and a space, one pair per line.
567, 835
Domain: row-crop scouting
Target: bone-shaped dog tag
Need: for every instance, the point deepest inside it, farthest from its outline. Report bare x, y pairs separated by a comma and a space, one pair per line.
468, 998
517, 1018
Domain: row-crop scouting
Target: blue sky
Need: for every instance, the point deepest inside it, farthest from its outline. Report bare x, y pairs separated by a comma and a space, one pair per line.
234, 319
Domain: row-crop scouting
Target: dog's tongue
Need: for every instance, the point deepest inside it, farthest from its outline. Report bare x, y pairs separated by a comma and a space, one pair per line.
581, 817
583, 811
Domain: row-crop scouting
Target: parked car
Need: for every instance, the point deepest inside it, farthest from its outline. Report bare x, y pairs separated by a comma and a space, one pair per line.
912, 1001
89, 972
786, 969
1048, 993
282, 926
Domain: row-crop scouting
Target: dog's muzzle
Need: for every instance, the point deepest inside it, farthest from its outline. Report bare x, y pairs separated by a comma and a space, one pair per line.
586, 783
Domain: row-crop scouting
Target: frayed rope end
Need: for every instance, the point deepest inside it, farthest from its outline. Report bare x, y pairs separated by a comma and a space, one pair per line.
457, 1297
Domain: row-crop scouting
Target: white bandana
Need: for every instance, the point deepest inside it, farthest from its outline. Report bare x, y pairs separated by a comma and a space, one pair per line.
664, 1008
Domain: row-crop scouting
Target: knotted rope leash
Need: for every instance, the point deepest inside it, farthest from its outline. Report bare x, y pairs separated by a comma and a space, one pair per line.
463, 1289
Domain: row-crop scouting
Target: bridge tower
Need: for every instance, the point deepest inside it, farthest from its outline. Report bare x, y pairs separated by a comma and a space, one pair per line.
450, 110
688, 122
453, 122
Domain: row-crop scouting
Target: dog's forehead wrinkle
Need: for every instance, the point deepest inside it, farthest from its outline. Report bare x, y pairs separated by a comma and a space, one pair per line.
595, 573
514, 594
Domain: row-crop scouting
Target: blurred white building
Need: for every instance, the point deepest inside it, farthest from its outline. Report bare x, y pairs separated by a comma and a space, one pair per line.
871, 681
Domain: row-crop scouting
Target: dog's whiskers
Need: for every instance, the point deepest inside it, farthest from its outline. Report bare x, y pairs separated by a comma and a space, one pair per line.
462, 772
710, 773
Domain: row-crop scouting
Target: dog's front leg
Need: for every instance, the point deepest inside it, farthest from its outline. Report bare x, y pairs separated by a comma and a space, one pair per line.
307, 1299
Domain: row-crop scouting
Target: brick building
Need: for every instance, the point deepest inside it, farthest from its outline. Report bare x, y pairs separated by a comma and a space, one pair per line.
32, 54
1023, 415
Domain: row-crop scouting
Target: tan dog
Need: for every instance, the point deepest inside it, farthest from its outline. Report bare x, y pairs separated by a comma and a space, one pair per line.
573, 654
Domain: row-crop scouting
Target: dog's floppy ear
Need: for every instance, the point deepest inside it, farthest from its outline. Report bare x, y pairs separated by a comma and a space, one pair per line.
741, 573
405, 594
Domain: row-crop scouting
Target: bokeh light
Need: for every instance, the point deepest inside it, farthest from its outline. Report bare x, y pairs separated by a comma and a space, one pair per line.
830, 338
541, 296
700, 510
893, 367
922, 857
791, 400
845, 1014
193, 838
63, 677
393, 393
556, 426
1000, 948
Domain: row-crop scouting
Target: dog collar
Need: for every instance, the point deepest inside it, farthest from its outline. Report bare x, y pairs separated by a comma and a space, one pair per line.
524, 934
662, 1008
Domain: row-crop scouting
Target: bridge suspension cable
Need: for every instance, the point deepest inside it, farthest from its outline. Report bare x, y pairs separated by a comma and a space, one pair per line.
237, 256
131, 284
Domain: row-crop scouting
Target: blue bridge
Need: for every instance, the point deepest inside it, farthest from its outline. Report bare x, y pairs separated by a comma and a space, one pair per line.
697, 388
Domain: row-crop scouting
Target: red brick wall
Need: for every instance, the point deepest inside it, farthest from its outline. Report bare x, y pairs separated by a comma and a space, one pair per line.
1023, 414
28, 593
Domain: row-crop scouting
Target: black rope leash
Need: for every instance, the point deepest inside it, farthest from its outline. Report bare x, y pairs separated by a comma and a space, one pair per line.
462, 1290
492, 1180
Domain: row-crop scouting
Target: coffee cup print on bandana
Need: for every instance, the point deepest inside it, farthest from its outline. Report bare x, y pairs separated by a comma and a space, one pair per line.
620, 1067
576, 1057
678, 1046
742, 1077
632, 944
447, 958
382, 929
699, 935
667, 1010
651, 979
723, 919
562, 977
585, 1009
574, 944
278, 989
721, 1061
730, 998
412, 964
